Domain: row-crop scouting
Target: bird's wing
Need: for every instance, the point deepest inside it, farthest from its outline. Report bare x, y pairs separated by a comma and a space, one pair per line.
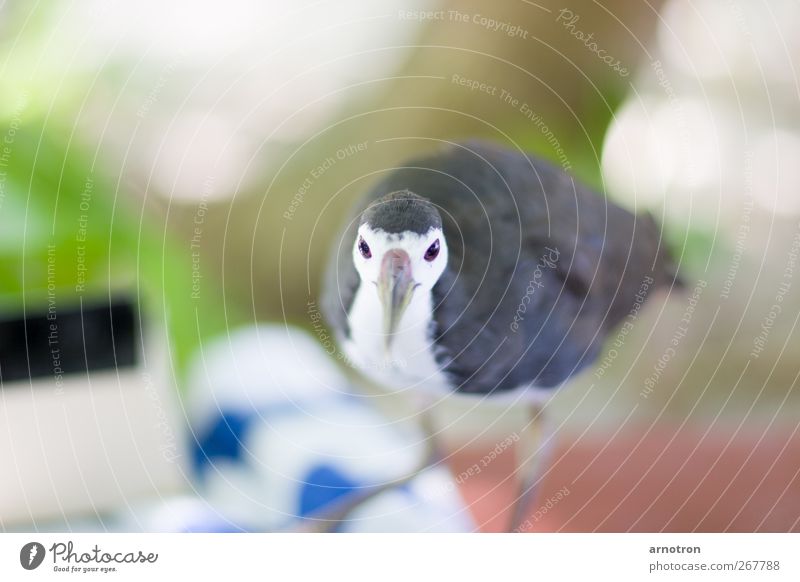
529, 208
340, 282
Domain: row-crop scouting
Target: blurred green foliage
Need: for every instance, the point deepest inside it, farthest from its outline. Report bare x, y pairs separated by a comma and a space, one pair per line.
67, 233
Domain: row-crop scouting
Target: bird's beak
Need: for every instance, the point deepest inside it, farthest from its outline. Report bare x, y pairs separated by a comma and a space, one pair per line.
395, 288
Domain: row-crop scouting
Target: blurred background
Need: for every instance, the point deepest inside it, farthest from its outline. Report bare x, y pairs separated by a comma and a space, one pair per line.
189, 164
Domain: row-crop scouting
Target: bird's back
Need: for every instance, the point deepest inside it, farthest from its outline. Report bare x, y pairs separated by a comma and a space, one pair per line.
540, 267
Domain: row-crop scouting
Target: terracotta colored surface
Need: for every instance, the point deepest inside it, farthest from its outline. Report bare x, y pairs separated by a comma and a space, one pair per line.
661, 480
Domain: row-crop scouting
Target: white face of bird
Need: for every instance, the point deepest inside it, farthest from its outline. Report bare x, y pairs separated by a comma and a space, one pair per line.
399, 266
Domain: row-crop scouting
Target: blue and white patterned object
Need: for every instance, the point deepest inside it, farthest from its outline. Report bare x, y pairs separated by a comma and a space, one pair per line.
279, 435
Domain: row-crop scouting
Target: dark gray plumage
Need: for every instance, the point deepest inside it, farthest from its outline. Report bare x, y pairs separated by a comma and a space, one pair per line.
520, 232
402, 211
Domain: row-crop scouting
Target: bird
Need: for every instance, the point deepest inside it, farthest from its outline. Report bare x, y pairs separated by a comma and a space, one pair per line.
481, 270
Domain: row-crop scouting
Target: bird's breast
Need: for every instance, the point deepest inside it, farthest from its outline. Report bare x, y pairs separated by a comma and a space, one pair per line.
410, 362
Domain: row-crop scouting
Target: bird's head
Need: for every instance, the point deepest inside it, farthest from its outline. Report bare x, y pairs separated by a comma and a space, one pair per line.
401, 252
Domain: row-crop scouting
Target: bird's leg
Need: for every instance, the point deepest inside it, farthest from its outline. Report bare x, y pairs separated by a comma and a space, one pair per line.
333, 515
433, 444
534, 452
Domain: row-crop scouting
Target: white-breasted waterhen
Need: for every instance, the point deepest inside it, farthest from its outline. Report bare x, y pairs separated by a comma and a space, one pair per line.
488, 272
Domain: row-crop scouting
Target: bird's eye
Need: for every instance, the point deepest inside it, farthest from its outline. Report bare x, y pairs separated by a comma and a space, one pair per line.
433, 251
363, 248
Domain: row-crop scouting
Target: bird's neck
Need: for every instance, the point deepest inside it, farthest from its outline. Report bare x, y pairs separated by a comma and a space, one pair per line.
409, 358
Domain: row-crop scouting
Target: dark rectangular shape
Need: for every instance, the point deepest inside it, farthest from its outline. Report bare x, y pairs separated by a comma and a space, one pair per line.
68, 340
